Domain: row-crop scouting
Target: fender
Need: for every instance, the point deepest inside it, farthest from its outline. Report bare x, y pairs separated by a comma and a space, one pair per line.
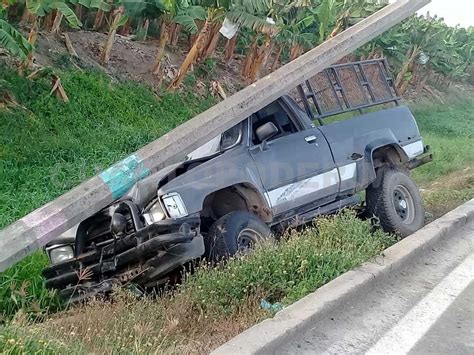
369, 166
234, 168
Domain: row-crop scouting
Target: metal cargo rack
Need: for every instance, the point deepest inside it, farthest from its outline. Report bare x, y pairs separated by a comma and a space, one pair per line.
348, 87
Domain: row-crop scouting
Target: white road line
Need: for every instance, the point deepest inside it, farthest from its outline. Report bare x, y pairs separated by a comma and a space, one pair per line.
411, 328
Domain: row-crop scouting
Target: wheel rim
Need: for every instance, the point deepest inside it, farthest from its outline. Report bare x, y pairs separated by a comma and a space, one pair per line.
246, 239
404, 204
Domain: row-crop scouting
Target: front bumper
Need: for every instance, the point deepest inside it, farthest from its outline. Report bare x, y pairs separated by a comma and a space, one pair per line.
143, 258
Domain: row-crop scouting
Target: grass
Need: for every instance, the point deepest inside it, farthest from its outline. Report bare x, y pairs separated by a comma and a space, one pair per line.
21, 287
50, 146
448, 181
47, 147
449, 130
214, 304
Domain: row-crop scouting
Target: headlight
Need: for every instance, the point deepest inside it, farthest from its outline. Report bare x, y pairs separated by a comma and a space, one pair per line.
174, 205
155, 214
62, 249
61, 253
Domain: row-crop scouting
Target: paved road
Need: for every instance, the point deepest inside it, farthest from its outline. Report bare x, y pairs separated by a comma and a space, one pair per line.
428, 308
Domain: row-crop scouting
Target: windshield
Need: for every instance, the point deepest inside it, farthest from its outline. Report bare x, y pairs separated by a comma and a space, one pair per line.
218, 144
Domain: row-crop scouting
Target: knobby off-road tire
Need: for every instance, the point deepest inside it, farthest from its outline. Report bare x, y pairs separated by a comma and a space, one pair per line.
235, 232
395, 199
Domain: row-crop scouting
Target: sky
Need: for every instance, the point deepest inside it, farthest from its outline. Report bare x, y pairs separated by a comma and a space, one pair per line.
454, 11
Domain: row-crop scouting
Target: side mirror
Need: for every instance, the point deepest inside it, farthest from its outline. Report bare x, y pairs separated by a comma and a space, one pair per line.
266, 131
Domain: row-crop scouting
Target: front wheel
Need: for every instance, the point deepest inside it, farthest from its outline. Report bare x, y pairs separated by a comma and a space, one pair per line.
396, 201
235, 232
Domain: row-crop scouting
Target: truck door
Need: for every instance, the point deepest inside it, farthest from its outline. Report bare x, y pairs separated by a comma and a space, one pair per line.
296, 165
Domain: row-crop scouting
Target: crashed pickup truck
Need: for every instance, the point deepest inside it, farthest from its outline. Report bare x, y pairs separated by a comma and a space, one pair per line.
305, 154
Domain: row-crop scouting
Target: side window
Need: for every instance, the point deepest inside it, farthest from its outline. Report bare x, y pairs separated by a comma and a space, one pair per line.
275, 114
231, 137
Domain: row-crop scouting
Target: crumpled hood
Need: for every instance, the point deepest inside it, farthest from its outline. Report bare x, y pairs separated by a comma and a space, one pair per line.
146, 189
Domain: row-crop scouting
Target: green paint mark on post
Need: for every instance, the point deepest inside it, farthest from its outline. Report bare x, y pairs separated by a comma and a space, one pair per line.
123, 175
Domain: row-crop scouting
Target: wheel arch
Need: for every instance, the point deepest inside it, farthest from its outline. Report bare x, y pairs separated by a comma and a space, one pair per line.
392, 154
240, 196
385, 152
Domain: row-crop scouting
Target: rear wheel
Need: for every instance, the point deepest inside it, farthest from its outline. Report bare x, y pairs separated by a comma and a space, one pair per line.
395, 199
238, 231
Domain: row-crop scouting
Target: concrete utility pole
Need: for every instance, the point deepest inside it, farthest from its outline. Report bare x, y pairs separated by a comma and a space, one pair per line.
48, 222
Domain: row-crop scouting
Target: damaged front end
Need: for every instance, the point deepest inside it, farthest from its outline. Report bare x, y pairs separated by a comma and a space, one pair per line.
121, 245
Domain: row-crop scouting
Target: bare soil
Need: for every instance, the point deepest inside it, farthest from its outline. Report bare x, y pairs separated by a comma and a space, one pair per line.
133, 60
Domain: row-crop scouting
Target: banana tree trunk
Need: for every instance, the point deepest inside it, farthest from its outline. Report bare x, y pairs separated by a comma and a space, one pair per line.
25, 17
105, 57
99, 20
146, 25
57, 23
78, 11
192, 38
125, 30
49, 19
164, 38
295, 51
211, 44
249, 58
176, 31
12, 9
401, 82
423, 79
230, 48
260, 59
32, 36
276, 61
192, 55
340, 23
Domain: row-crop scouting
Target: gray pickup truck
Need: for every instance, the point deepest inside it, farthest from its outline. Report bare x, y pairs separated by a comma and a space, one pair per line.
275, 169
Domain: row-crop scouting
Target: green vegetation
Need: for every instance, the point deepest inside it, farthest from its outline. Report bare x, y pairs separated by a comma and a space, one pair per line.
418, 48
21, 288
448, 181
449, 130
289, 270
47, 147
423, 48
214, 303
15, 339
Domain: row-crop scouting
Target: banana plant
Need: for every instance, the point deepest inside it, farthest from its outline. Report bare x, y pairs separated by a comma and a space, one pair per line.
421, 45
206, 38
119, 19
274, 22
88, 4
40, 8
12, 40
101, 6
175, 12
257, 16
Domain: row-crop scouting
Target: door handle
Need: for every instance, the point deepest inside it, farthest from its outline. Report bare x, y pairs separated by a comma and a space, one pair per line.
310, 139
